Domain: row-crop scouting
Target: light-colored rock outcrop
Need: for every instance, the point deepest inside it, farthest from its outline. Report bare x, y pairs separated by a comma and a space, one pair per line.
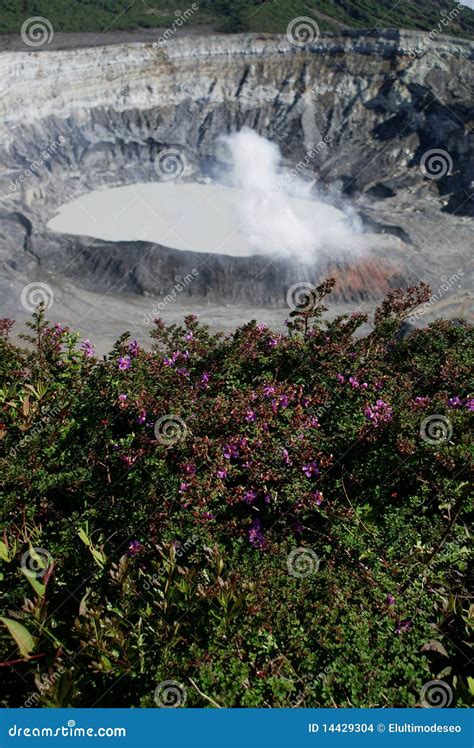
140, 76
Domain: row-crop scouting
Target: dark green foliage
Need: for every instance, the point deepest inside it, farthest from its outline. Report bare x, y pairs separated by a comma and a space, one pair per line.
232, 14
265, 519
238, 15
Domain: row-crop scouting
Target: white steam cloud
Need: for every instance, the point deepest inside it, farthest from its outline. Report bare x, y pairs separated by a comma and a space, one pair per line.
279, 214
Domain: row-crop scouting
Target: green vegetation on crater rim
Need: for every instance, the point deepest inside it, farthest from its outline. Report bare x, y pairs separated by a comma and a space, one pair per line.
237, 15
267, 520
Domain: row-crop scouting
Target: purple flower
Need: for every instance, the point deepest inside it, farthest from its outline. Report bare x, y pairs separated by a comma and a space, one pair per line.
222, 473
189, 469
317, 497
256, 536
230, 450
171, 361
340, 378
454, 402
249, 497
470, 404
310, 469
122, 398
284, 401
268, 391
272, 342
207, 516
250, 415
403, 626
390, 599
124, 363
285, 457
189, 335
141, 416
133, 348
182, 372
134, 547
88, 348
183, 486
354, 383
261, 327
379, 413
297, 527
422, 400
204, 379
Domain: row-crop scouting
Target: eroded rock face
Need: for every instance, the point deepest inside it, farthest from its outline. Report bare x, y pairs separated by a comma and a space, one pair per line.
366, 108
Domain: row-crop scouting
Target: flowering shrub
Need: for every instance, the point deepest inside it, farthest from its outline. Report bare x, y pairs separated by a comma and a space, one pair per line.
266, 519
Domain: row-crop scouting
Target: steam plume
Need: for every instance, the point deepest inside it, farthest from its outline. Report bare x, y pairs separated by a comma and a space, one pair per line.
277, 214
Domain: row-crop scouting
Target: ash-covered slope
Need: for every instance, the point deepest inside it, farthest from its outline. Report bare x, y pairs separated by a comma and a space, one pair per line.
366, 107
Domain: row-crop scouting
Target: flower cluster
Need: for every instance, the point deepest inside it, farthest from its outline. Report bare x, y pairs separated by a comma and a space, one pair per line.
86, 346
379, 413
457, 402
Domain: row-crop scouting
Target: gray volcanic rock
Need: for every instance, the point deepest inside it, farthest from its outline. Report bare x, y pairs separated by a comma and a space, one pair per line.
367, 108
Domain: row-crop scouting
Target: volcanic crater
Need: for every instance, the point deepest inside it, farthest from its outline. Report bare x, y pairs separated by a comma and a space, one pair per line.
388, 130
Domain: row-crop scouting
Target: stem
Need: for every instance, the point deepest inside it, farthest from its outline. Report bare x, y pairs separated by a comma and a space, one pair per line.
208, 698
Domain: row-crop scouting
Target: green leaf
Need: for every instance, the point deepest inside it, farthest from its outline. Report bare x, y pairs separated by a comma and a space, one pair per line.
83, 604
83, 536
470, 683
38, 586
99, 557
4, 555
24, 640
